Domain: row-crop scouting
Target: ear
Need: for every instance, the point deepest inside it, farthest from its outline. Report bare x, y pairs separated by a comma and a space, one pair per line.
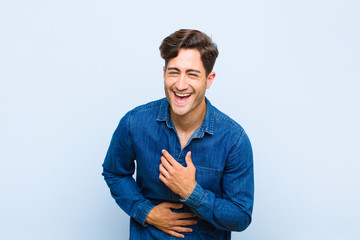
164, 71
210, 79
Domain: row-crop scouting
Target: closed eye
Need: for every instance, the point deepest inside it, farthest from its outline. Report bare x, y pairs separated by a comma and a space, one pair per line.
173, 73
193, 75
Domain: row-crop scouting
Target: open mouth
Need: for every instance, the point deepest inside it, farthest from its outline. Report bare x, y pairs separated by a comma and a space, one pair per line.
181, 97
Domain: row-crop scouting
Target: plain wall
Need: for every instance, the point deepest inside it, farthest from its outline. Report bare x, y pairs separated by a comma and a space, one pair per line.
288, 72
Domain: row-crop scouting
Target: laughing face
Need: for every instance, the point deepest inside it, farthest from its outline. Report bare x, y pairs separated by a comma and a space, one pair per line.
185, 84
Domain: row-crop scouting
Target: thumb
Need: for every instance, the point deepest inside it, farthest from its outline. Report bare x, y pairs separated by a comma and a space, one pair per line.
188, 159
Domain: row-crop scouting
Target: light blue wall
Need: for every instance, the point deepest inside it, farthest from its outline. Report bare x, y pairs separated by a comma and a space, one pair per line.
288, 72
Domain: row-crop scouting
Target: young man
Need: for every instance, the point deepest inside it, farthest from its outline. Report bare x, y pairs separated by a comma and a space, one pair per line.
194, 175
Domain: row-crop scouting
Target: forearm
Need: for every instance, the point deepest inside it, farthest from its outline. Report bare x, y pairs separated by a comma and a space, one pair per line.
128, 195
222, 213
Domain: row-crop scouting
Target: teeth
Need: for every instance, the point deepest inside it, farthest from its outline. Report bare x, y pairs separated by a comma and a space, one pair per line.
182, 95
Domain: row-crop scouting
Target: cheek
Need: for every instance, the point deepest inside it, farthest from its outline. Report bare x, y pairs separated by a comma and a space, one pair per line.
200, 87
169, 82
166, 83
167, 87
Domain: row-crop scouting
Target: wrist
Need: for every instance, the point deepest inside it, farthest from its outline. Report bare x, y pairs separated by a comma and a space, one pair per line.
196, 198
149, 217
189, 190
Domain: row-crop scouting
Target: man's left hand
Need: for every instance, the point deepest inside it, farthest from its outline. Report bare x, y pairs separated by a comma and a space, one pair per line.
181, 180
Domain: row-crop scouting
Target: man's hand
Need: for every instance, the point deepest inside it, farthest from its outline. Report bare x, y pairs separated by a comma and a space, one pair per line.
168, 221
181, 180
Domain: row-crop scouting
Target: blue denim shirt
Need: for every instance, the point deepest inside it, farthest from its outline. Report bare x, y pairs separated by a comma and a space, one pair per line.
221, 152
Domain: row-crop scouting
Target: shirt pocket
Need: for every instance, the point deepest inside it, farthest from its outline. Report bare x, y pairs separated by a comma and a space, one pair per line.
209, 178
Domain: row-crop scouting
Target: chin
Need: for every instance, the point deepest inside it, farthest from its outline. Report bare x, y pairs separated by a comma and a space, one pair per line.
179, 112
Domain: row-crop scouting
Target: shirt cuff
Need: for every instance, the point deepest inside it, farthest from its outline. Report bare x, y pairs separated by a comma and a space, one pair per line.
196, 197
142, 212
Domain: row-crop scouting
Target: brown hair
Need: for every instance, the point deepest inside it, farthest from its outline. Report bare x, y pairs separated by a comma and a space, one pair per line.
190, 39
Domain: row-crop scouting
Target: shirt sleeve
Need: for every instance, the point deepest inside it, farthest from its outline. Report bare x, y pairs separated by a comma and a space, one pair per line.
118, 170
231, 212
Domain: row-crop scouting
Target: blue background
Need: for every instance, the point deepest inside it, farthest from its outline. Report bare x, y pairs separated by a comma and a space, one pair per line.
288, 72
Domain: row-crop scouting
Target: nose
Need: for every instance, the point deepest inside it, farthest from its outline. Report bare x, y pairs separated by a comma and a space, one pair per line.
181, 83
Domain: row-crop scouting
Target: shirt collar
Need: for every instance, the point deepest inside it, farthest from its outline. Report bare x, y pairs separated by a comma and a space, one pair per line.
206, 126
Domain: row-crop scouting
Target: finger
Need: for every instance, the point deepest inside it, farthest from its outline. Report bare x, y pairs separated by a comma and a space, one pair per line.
166, 163
169, 158
175, 205
182, 229
163, 171
188, 159
185, 215
175, 234
163, 179
184, 222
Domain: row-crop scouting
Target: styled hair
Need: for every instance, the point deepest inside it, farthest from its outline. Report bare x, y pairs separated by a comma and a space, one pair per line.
190, 39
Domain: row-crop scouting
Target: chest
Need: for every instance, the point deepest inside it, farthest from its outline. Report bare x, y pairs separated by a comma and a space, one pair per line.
208, 155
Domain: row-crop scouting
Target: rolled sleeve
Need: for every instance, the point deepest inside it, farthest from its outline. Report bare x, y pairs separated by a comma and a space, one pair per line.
196, 197
142, 212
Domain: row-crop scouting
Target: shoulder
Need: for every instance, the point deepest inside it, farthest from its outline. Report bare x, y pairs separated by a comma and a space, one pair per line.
222, 120
150, 106
146, 113
140, 116
147, 110
232, 134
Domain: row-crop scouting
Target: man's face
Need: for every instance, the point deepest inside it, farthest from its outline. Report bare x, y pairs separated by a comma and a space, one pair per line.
185, 83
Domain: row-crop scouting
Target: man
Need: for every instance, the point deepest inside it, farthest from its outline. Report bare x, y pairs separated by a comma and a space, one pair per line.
194, 167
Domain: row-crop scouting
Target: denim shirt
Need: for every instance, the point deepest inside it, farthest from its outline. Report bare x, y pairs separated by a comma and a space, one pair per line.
221, 152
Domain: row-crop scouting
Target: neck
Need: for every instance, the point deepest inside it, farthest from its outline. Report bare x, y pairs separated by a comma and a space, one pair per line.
191, 121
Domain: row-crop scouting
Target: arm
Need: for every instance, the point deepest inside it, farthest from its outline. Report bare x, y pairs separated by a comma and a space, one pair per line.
118, 169
231, 212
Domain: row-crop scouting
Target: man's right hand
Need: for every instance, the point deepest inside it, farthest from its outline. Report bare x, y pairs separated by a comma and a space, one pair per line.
168, 221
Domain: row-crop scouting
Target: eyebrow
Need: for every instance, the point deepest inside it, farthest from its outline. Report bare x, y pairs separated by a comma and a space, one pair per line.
187, 70
192, 70
173, 68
